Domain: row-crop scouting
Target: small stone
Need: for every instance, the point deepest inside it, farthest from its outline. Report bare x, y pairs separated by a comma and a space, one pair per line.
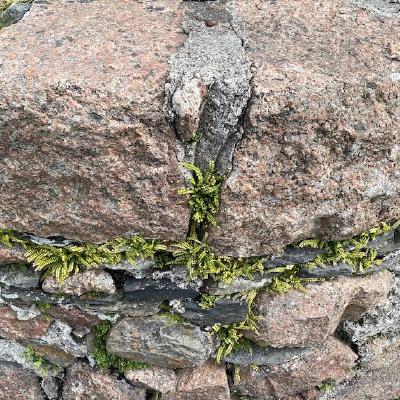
327, 271
294, 255
81, 283
73, 316
12, 255
224, 311
84, 382
160, 342
139, 269
51, 387
14, 13
19, 275
258, 355
207, 382
53, 354
18, 384
394, 51
152, 289
305, 319
385, 243
332, 361
162, 380
14, 329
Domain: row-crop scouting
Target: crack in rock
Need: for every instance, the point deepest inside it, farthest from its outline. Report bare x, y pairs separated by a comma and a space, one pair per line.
208, 87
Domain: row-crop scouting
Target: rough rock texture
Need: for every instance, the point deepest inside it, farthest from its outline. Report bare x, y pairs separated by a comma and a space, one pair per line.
319, 157
110, 165
84, 382
332, 361
18, 384
19, 276
160, 342
302, 319
207, 382
162, 380
13, 14
11, 255
13, 329
81, 283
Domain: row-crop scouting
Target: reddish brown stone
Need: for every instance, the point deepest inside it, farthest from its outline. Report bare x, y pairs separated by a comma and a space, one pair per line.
74, 317
18, 384
332, 361
207, 382
162, 380
84, 382
302, 319
87, 152
13, 329
319, 157
11, 255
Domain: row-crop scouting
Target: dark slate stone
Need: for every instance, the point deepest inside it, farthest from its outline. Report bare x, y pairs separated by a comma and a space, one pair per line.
293, 255
225, 311
386, 243
14, 13
163, 289
327, 271
258, 355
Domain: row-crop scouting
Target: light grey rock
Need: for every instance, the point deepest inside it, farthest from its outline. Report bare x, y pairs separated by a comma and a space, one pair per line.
162, 380
19, 276
14, 13
208, 86
81, 283
139, 270
327, 271
160, 342
51, 387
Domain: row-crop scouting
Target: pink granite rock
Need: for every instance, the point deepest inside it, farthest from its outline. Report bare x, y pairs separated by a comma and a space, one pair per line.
87, 151
320, 152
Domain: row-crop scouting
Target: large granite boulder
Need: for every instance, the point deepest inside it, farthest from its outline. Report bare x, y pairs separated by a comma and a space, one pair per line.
319, 157
87, 152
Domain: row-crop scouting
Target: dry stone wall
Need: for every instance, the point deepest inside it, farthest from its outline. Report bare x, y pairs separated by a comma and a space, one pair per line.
198, 200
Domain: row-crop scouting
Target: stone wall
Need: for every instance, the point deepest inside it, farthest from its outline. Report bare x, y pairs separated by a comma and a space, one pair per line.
198, 200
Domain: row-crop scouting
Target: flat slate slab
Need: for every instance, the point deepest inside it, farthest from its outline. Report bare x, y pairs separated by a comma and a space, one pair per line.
87, 152
319, 156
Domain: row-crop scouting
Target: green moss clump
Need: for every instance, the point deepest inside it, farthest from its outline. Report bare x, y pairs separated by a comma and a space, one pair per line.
105, 360
37, 361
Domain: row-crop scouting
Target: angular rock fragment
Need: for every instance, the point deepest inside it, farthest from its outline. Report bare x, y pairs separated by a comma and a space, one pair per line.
93, 103
319, 156
51, 387
207, 382
19, 275
139, 269
304, 319
83, 282
224, 311
84, 382
12, 255
14, 329
160, 342
18, 384
14, 13
162, 380
327, 271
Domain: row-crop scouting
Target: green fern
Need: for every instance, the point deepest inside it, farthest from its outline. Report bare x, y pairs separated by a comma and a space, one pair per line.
204, 195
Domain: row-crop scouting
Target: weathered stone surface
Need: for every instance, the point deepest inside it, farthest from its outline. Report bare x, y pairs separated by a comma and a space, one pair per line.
265, 356
332, 361
377, 380
83, 282
93, 104
84, 382
51, 387
12, 255
160, 342
162, 380
319, 157
55, 355
293, 255
139, 269
386, 243
225, 311
13, 329
18, 384
14, 13
303, 319
207, 382
327, 271
19, 276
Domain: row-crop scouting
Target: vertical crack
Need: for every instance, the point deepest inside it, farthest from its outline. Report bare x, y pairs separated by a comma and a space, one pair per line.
208, 87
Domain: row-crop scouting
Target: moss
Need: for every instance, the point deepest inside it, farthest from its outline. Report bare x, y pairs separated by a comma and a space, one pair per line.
106, 361
326, 386
37, 361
